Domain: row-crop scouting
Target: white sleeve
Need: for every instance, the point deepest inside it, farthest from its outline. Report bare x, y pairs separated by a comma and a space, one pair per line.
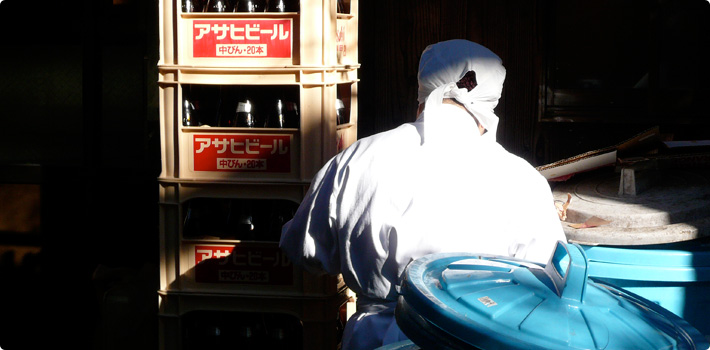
542, 221
309, 239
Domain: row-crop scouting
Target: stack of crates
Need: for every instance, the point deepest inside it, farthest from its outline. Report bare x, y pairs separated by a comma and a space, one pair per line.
252, 105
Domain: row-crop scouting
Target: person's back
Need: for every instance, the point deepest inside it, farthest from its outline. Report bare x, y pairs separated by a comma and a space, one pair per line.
435, 185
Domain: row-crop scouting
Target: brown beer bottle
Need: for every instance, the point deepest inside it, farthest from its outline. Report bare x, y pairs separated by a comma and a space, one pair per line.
283, 5
218, 6
193, 6
250, 6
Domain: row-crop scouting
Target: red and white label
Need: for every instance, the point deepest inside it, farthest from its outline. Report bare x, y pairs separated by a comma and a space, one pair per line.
341, 47
267, 38
242, 264
242, 153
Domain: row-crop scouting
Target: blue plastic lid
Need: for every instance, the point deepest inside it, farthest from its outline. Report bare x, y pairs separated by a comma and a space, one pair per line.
401, 345
492, 302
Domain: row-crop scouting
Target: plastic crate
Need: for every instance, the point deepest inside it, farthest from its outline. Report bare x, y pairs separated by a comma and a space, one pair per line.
319, 60
315, 35
181, 314
213, 258
256, 268
215, 152
346, 133
346, 39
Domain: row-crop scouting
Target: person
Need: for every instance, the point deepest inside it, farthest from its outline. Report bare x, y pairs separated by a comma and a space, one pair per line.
439, 184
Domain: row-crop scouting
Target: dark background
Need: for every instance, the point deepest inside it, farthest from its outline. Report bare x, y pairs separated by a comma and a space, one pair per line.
79, 127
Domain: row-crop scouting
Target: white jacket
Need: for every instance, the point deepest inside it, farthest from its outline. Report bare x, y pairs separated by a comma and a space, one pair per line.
391, 198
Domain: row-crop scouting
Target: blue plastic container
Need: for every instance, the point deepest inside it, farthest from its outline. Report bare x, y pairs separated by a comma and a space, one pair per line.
675, 276
654, 241
401, 345
465, 301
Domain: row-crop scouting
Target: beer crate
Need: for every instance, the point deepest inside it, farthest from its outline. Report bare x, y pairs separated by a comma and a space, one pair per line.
217, 147
197, 320
223, 238
318, 33
221, 267
346, 115
346, 37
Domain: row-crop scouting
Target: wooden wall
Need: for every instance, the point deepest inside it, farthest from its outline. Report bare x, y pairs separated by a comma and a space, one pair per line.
393, 34
551, 49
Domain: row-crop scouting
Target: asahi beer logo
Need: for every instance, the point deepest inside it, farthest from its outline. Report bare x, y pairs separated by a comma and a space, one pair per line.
242, 153
243, 38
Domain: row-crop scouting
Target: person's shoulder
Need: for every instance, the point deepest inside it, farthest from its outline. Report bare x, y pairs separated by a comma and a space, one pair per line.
516, 164
383, 142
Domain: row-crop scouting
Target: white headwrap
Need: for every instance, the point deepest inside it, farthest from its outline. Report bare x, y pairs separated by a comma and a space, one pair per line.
445, 63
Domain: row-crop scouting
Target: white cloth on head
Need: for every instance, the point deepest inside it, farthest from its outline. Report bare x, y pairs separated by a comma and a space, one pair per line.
443, 64
390, 198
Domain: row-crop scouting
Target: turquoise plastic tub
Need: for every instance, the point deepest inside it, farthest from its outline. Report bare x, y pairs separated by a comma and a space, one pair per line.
458, 301
655, 241
402, 345
675, 276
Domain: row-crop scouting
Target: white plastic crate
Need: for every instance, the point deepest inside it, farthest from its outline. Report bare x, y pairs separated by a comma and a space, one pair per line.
346, 133
217, 261
346, 39
215, 152
321, 319
319, 58
315, 35
248, 268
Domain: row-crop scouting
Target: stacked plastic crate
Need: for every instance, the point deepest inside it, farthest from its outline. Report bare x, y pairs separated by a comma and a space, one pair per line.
252, 105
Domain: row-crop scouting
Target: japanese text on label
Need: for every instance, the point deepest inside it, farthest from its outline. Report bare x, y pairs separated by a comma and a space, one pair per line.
244, 264
254, 257
242, 38
269, 153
